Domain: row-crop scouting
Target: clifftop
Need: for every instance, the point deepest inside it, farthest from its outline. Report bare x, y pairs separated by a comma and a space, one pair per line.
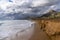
51, 14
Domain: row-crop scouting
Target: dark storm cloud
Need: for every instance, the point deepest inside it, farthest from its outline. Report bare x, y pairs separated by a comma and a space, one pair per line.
24, 9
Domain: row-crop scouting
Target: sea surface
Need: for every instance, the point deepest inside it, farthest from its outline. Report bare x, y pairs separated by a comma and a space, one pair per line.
10, 27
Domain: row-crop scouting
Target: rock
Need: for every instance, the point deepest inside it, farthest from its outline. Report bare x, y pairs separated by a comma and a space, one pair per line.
52, 28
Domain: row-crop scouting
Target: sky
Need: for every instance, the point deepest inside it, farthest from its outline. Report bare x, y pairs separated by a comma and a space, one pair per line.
5, 4
26, 7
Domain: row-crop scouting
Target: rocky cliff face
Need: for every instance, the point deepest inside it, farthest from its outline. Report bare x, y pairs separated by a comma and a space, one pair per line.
51, 26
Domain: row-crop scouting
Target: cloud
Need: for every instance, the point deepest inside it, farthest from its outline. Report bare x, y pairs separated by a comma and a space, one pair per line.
13, 4
30, 7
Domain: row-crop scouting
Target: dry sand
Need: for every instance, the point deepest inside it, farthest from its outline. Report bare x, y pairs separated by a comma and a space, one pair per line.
39, 34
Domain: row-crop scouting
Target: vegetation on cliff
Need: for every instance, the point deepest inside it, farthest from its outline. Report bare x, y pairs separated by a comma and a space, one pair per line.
51, 14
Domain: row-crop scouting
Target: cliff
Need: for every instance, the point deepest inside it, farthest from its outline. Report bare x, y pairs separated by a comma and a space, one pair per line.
50, 24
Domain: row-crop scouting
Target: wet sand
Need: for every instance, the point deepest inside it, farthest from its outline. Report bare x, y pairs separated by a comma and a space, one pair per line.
39, 34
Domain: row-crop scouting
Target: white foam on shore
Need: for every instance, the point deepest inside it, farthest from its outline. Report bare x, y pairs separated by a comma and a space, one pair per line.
7, 28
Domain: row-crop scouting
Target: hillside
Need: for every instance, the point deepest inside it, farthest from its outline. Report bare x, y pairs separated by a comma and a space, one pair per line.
51, 14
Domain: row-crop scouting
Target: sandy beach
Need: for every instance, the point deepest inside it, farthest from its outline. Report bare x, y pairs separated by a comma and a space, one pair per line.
39, 34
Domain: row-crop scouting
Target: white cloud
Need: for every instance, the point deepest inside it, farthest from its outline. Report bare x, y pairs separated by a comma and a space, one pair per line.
43, 2
39, 2
8, 7
17, 6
